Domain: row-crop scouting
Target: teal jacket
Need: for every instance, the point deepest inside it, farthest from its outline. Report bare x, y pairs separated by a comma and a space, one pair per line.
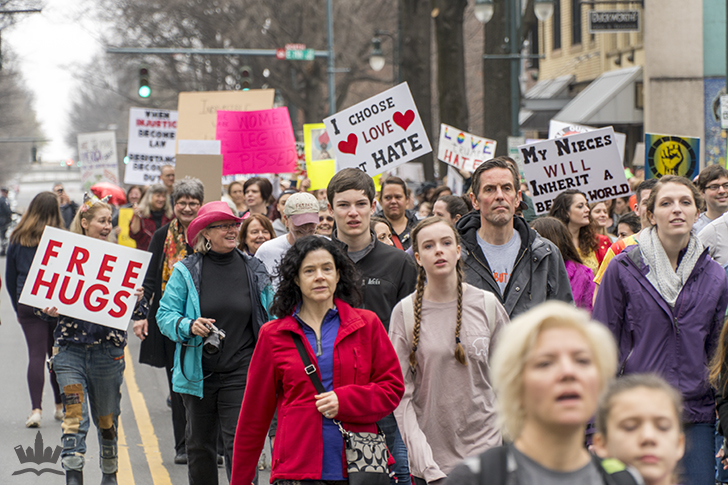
180, 306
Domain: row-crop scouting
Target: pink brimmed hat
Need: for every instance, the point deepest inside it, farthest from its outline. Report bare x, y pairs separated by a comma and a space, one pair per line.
209, 213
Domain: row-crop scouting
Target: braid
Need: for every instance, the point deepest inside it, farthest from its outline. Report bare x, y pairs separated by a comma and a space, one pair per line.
421, 276
459, 351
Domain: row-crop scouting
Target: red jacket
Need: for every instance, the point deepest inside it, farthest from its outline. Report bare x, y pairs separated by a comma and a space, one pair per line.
604, 244
367, 381
148, 227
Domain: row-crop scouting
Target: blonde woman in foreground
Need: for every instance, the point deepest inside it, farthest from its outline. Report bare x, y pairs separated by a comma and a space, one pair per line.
549, 367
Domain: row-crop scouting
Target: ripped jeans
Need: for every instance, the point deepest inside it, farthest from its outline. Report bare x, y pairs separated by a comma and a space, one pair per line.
90, 378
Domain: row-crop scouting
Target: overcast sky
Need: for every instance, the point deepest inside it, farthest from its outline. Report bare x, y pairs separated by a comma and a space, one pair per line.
49, 45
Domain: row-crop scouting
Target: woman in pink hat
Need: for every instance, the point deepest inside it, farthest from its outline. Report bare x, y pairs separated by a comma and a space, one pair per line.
213, 306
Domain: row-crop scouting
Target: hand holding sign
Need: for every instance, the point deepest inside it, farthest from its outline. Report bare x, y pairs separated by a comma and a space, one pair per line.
380, 133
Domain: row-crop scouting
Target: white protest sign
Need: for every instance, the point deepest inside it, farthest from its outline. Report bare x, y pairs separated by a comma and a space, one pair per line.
152, 136
559, 129
378, 134
85, 278
463, 150
513, 143
455, 181
724, 112
588, 162
97, 156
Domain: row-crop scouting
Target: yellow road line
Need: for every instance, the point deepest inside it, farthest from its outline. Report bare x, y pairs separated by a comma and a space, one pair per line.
125, 473
160, 476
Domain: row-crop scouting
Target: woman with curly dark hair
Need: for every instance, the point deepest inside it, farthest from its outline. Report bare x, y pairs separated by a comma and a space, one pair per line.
353, 357
571, 208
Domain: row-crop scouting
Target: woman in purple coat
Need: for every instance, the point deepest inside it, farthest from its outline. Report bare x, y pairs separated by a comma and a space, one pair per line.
664, 299
581, 278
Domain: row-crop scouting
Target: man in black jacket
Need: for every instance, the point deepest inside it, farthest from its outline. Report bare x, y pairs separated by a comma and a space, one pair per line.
387, 273
500, 253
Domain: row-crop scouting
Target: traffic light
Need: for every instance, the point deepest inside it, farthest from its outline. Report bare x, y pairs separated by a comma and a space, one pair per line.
246, 77
144, 90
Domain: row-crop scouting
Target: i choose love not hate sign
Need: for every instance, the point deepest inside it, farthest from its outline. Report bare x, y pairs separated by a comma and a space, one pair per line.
380, 133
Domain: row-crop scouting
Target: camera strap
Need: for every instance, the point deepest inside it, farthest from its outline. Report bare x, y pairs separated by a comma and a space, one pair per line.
182, 353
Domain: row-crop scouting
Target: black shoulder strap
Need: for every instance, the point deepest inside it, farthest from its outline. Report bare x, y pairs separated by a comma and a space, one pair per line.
308, 366
494, 466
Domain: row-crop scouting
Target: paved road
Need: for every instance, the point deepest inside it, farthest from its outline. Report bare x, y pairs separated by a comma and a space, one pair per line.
146, 449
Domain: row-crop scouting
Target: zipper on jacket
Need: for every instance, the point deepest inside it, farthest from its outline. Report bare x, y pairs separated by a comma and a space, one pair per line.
489, 272
677, 327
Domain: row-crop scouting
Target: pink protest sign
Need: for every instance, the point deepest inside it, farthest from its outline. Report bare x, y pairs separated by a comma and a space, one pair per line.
256, 141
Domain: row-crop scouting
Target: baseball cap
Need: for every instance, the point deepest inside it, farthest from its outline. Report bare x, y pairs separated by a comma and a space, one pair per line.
302, 208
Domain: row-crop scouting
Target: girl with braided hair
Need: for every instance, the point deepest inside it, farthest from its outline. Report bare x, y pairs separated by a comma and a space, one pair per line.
443, 334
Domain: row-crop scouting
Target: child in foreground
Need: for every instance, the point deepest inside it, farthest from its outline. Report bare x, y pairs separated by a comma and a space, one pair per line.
638, 422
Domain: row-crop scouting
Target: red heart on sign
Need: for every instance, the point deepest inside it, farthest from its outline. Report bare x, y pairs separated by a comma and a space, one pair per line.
404, 120
349, 146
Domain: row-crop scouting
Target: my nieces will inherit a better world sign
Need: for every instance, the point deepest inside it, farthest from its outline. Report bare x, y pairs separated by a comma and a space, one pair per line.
588, 162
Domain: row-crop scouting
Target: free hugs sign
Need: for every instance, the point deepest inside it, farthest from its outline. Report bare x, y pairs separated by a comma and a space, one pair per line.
378, 134
85, 278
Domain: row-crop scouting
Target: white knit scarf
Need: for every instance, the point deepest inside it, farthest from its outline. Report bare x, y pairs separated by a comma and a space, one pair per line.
667, 282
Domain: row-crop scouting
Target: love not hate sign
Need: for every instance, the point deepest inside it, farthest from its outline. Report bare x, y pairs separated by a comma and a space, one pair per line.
378, 134
85, 278
588, 162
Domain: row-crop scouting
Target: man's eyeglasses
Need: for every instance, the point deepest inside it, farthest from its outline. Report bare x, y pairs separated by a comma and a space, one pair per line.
191, 205
226, 227
717, 186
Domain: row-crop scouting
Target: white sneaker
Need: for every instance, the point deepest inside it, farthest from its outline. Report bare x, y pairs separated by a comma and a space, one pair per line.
58, 414
33, 421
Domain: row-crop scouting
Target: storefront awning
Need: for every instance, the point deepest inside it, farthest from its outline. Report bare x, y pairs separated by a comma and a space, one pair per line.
540, 103
609, 99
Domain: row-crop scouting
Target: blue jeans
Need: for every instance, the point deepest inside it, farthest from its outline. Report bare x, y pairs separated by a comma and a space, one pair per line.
721, 476
397, 448
698, 464
90, 378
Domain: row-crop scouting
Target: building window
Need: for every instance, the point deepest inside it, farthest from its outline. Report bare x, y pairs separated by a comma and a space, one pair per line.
575, 22
556, 19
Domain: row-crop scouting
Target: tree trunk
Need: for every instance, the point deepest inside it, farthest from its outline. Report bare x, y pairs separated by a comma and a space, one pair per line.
415, 65
497, 81
451, 64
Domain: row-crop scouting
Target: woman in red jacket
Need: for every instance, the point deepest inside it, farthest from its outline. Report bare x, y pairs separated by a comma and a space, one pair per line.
352, 355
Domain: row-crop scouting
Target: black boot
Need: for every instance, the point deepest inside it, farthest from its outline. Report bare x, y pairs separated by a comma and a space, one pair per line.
74, 477
108, 479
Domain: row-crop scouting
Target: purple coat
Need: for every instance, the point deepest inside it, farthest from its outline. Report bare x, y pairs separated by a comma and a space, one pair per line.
676, 343
582, 284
